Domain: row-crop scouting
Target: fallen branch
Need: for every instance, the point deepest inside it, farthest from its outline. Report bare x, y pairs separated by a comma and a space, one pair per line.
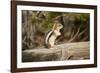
69, 51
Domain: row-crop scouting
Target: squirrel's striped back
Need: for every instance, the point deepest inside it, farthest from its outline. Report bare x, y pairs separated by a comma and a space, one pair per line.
48, 35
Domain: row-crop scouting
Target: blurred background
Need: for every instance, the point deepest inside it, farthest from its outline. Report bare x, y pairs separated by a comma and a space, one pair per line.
36, 24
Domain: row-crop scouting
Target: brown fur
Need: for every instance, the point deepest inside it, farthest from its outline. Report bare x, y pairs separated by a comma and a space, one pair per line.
48, 46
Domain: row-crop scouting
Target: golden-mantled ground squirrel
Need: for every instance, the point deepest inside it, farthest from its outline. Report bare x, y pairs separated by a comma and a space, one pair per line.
52, 35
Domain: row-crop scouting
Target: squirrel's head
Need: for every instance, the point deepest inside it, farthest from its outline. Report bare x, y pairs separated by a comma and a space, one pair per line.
57, 26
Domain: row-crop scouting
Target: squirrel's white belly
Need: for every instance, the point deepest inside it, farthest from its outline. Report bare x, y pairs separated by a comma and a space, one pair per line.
52, 40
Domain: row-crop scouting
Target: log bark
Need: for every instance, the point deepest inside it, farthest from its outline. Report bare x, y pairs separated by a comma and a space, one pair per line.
68, 51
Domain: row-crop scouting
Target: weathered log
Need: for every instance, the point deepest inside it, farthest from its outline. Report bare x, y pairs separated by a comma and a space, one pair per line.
69, 51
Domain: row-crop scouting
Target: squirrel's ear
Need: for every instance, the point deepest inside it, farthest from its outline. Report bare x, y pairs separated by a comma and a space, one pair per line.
54, 26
